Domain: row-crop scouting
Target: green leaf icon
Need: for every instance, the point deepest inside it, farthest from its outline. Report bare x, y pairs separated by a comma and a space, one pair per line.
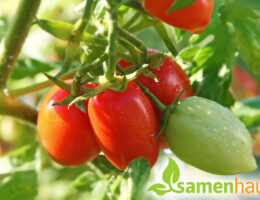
159, 189
172, 173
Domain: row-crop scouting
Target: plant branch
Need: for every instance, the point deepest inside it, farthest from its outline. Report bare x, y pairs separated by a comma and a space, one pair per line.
111, 68
15, 108
12, 43
39, 86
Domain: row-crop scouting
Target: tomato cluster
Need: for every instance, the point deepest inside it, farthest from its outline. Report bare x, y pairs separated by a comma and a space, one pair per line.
123, 125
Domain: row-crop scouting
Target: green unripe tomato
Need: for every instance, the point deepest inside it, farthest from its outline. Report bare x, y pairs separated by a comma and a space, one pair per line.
209, 137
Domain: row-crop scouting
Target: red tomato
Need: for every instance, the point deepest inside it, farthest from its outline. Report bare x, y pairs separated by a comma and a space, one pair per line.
193, 18
125, 125
66, 134
171, 81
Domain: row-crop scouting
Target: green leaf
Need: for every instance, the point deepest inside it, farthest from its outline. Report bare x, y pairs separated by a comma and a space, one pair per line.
180, 4
172, 172
211, 56
29, 68
85, 182
102, 163
248, 111
159, 189
23, 155
243, 17
21, 185
134, 179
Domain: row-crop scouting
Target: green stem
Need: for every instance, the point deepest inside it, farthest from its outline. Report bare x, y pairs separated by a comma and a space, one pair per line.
38, 86
112, 61
162, 31
134, 41
85, 18
156, 101
15, 108
12, 43
131, 49
75, 88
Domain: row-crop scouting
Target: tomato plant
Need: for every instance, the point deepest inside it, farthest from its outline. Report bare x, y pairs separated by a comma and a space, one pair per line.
65, 133
193, 18
125, 125
106, 126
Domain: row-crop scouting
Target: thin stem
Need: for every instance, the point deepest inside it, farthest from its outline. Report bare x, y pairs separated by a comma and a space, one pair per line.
39, 86
85, 18
162, 31
12, 43
75, 88
15, 108
135, 41
156, 101
132, 50
112, 61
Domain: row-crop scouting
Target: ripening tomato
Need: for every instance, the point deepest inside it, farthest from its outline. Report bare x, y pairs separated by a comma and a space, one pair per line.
125, 125
65, 133
171, 81
193, 18
209, 137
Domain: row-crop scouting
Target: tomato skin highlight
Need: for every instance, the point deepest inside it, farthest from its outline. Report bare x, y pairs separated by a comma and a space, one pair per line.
171, 81
193, 18
125, 125
209, 137
66, 134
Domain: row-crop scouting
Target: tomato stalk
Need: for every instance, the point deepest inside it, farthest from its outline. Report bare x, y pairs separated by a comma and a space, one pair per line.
39, 86
166, 110
111, 67
162, 31
155, 100
73, 42
84, 20
12, 43
131, 49
13, 107
135, 42
85, 68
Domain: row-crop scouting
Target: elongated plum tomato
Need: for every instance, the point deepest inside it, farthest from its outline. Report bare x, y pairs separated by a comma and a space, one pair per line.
66, 134
209, 137
193, 18
171, 81
125, 125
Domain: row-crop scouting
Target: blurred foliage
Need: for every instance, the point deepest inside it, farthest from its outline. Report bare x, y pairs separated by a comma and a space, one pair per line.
248, 111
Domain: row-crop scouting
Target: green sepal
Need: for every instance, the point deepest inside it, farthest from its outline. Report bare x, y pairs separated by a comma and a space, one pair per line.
81, 106
59, 29
58, 82
156, 60
180, 4
66, 101
168, 111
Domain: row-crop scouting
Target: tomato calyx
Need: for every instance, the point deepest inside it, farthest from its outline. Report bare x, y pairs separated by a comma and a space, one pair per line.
166, 110
166, 114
